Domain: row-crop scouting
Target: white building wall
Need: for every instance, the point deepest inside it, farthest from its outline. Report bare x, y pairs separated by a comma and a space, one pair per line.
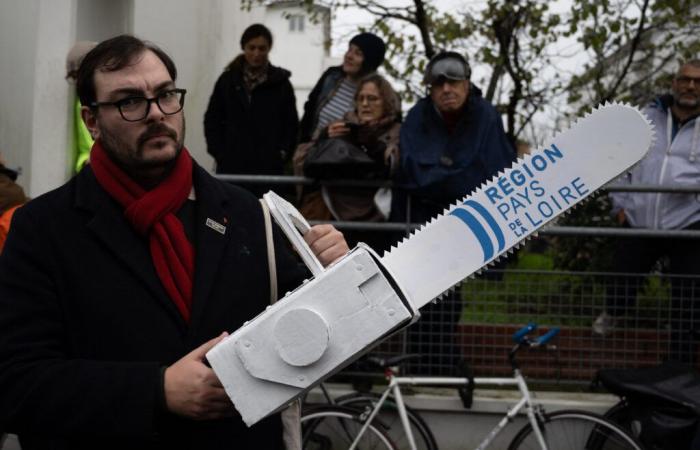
33, 94
17, 72
304, 53
35, 99
202, 37
49, 163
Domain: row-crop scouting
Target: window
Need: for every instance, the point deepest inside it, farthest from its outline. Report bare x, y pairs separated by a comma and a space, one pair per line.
296, 23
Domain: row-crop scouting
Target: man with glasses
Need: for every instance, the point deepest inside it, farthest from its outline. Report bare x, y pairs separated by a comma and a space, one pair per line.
114, 286
674, 159
451, 142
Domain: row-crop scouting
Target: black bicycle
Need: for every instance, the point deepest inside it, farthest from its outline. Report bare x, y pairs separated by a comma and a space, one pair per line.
658, 405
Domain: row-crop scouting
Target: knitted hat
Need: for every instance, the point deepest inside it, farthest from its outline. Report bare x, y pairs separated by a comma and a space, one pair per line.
373, 49
76, 54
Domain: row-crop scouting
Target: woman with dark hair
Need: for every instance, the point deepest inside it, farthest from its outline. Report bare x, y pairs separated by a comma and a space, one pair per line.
251, 122
373, 127
333, 94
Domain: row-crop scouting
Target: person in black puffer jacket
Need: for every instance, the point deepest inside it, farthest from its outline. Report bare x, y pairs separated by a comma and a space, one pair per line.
251, 122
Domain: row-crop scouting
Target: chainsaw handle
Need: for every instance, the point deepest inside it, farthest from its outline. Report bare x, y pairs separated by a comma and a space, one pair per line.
294, 226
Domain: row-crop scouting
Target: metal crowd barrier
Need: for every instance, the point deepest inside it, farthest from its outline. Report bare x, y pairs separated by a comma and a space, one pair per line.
553, 230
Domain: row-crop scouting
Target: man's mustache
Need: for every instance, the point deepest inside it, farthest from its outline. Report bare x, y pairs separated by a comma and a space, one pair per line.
157, 130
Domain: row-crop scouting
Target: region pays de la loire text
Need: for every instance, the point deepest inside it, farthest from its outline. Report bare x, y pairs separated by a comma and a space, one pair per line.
522, 200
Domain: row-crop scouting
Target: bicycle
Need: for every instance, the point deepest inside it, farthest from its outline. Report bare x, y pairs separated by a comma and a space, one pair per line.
339, 427
388, 419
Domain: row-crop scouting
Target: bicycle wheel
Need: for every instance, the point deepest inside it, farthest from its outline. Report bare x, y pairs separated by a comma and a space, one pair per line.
391, 422
622, 415
336, 428
575, 430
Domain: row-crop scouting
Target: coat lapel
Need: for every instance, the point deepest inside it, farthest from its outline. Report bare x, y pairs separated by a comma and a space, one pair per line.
111, 228
214, 231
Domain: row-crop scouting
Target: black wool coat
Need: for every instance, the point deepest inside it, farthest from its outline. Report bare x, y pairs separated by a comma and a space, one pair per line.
255, 135
86, 326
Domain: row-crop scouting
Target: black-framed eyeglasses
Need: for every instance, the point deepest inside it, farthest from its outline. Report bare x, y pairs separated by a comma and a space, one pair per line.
133, 109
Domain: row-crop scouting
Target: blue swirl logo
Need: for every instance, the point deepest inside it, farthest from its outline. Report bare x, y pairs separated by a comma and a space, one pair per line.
468, 217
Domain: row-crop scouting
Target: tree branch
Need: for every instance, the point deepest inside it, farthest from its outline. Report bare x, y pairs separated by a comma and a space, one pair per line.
634, 45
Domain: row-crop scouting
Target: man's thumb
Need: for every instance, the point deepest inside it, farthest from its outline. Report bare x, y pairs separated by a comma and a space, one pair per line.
202, 350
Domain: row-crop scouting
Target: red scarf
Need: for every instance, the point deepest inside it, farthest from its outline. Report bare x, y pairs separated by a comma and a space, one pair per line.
152, 214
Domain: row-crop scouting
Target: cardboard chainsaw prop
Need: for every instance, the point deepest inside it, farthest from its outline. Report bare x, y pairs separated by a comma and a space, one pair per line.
345, 309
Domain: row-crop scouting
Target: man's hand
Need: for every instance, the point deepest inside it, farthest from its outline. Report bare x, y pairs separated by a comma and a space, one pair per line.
193, 390
327, 243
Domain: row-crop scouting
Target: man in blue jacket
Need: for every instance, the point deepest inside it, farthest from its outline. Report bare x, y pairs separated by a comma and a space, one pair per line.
674, 159
451, 142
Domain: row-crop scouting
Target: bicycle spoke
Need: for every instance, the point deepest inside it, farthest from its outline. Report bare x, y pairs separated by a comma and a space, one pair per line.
336, 428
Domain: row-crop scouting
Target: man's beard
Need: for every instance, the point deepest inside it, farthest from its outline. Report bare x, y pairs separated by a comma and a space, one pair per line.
685, 103
130, 157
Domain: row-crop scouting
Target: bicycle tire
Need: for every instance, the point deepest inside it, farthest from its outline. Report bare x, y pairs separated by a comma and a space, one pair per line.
336, 427
622, 415
575, 430
390, 420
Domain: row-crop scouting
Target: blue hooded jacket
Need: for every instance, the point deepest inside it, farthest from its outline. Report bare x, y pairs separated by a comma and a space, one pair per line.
437, 168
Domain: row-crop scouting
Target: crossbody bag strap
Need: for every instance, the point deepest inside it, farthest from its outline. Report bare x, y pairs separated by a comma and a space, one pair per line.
291, 416
270, 252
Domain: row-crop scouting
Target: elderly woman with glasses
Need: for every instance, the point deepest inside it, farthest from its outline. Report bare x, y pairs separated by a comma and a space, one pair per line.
373, 128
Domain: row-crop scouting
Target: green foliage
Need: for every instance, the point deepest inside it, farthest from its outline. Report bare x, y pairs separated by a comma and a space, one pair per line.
629, 47
534, 289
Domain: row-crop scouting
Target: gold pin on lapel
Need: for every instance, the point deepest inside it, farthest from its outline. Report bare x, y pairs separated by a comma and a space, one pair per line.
216, 226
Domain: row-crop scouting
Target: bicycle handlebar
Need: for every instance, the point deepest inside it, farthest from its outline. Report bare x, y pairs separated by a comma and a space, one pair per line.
542, 340
521, 336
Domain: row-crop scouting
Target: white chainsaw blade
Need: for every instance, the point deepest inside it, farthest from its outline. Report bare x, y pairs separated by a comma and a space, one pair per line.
518, 201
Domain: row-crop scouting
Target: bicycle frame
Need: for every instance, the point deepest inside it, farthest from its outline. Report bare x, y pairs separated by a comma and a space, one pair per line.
394, 387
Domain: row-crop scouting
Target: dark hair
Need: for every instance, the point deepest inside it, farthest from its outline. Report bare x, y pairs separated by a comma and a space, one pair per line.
255, 31
112, 55
390, 99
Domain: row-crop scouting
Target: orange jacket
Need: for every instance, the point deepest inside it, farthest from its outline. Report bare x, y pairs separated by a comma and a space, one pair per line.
5, 219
